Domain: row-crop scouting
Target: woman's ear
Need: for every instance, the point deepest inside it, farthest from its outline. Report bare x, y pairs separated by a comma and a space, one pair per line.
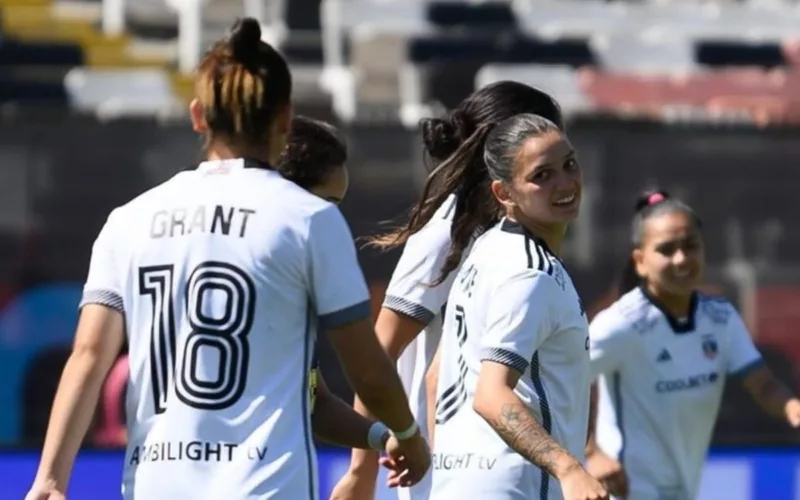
198, 117
502, 194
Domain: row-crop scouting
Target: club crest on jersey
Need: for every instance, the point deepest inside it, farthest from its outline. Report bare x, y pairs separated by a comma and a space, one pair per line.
710, 348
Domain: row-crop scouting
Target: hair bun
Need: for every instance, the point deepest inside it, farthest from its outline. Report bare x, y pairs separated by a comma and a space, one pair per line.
245, 39
440, 137
650, 198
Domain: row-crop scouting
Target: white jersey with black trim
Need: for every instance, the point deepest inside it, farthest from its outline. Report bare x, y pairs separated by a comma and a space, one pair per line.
224, 273
660, 387
410, 293
514, 303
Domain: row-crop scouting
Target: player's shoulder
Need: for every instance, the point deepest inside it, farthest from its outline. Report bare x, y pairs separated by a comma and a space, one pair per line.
631, 312
506, 255
434, 236
151, 196
512, 251
445, 212
717, 308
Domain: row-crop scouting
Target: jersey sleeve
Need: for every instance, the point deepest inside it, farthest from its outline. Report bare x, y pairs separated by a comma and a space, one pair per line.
609, 342
410, 291
742, 353
338, 289
103, 283
518, 319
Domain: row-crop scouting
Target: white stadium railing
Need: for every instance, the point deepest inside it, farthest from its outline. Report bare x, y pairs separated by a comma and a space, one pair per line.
190, 24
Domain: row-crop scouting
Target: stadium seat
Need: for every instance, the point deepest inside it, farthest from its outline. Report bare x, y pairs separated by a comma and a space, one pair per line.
28, 91
17, 53
448, 62
482, 16
127, 92
558, 80
732, 53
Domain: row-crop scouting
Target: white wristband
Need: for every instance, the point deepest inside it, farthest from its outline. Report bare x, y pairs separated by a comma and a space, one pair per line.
407, 433
375, 436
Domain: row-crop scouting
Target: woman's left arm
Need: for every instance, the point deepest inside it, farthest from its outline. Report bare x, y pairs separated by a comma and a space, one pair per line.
745, 363
772, 395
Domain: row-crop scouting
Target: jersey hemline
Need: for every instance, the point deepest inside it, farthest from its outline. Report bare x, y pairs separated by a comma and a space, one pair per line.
504, 357
344, 316
746, 369
101, 297
409, 308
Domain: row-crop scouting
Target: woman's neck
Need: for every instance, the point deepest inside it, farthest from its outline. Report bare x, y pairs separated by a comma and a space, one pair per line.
553, 234
677, 305
222, 151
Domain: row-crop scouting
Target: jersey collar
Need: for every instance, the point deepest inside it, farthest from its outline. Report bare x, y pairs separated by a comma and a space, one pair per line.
224, 166
674, 323
510, 226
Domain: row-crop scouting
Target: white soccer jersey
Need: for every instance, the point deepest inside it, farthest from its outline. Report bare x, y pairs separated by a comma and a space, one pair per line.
409, 292
224, 274
513, 302
661, 386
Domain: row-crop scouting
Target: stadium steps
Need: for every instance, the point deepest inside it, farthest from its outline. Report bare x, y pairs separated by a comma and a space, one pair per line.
46, 22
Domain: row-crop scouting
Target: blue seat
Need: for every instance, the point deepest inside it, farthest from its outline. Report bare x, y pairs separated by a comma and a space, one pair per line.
17, 53
30, 91
452, 59
490, 15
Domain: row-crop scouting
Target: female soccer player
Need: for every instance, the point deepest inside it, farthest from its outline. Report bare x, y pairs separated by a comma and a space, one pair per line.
455, 206
513, 392
664, 351
314, 159
213, 276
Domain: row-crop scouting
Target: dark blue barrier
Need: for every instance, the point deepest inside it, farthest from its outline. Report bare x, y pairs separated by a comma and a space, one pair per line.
732, 475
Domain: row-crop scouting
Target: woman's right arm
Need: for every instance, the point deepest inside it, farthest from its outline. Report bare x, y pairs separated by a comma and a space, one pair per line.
410, 305
395, 331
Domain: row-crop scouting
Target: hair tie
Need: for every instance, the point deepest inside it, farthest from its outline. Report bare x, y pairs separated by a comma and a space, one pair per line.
655, 198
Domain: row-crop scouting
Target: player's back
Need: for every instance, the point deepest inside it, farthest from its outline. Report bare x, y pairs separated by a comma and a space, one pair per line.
220, 329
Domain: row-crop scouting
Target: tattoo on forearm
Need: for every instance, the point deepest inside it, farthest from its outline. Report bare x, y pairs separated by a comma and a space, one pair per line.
517, 427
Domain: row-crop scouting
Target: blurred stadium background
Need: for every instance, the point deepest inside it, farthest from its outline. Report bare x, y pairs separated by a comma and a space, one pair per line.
701, 97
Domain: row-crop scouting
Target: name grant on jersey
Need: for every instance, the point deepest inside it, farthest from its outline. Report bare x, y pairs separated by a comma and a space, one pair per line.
201, 219
194, 451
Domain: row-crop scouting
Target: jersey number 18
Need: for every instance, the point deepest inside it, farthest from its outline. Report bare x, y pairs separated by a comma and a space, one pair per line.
226, 333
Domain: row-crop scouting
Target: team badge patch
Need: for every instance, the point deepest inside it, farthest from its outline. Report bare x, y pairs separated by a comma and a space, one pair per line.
710, 348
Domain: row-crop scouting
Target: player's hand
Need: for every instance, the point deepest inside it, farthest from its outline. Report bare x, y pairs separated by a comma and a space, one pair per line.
793, 412
354, 486
408, 460
609, 472
577, 484
44, 491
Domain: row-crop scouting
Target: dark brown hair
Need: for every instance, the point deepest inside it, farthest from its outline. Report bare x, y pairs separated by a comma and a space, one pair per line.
649, 204
242, 84
456, 144
313, 150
